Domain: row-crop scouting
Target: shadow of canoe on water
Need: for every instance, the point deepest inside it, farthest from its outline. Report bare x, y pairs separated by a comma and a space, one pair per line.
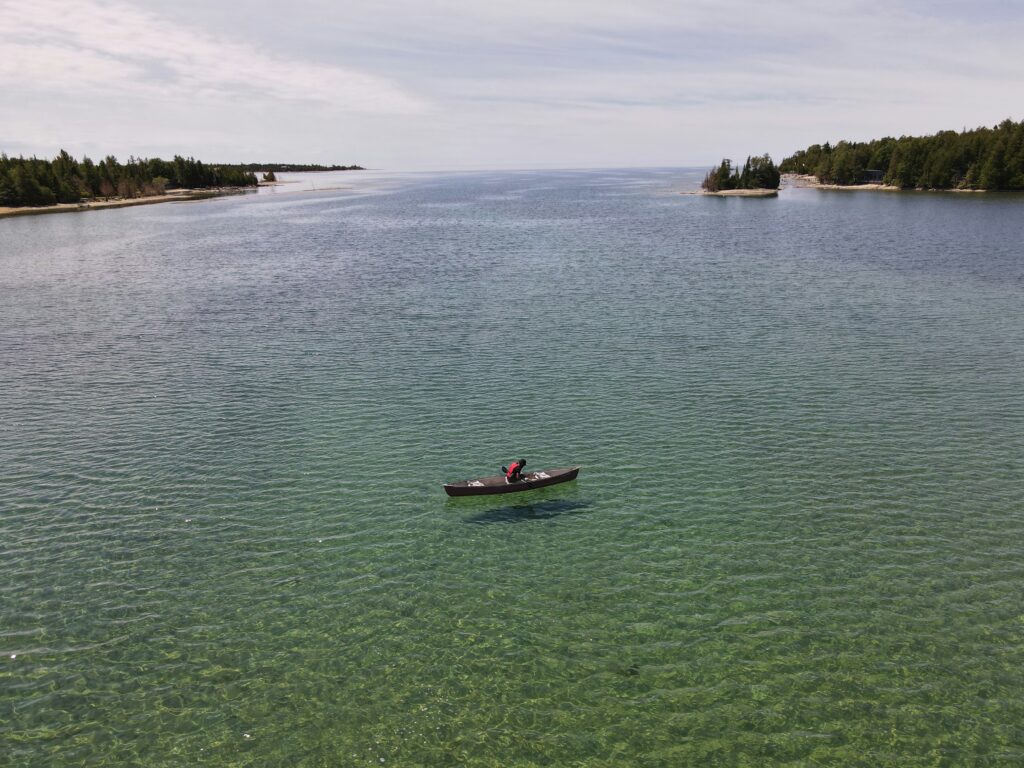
521, 513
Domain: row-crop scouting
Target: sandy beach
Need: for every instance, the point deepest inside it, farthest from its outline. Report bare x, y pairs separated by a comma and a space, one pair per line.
177, 195
801, 180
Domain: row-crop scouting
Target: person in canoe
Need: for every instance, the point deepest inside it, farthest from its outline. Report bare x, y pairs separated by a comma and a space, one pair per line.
513, 474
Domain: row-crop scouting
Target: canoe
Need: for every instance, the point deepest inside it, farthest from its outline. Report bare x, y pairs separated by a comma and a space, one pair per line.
497, 484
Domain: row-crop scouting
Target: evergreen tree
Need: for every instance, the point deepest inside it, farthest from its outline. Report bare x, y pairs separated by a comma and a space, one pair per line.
993, 172
8, 194
757, 173
27, 188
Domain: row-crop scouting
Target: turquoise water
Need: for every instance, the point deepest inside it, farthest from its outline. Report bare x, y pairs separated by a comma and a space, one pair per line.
798, 537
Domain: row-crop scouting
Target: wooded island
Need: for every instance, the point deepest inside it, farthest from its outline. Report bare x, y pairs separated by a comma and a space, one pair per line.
757, 173
981, 159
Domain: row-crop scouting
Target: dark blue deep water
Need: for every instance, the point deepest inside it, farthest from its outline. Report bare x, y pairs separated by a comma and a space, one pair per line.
798, 537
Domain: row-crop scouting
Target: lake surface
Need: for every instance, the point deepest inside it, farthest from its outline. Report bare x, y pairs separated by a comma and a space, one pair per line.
798, 537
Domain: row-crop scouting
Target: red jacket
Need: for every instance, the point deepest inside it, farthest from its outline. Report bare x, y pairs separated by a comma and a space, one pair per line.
513, 469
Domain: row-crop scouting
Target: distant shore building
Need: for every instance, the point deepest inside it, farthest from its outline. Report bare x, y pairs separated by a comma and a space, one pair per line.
872, 176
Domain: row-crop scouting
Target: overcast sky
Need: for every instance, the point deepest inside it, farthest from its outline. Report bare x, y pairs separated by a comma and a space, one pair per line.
411, 84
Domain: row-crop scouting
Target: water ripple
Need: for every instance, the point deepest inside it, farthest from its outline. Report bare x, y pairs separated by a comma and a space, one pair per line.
797, 539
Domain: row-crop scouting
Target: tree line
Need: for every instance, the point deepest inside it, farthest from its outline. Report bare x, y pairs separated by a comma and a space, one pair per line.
983, 158
297, 167
34, 182
757, 173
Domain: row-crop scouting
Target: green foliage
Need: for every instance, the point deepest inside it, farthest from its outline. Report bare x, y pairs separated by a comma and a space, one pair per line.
35, 182
757, 173
983, 158
8, 194
763, 173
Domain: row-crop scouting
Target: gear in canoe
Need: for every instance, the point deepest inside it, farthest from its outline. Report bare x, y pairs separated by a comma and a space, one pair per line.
525, 481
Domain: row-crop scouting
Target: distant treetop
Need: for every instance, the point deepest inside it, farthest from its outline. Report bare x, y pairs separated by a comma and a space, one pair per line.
297, 167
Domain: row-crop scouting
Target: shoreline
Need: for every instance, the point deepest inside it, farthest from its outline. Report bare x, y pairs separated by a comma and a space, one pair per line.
734, 193
742, 193
807, 181
178, 195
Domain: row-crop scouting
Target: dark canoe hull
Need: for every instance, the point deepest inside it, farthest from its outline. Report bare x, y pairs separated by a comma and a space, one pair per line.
496, 483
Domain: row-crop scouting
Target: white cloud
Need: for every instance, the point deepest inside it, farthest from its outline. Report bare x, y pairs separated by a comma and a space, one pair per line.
63, 45
463, 83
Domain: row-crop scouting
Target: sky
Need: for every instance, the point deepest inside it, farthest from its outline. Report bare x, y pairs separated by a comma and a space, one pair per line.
463, 84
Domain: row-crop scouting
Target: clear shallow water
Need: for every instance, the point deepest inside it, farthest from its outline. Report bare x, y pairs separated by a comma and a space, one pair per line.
797, 538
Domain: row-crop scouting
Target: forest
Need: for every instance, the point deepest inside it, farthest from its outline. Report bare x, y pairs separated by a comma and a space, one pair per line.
982, 158
35, 182
757, 173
